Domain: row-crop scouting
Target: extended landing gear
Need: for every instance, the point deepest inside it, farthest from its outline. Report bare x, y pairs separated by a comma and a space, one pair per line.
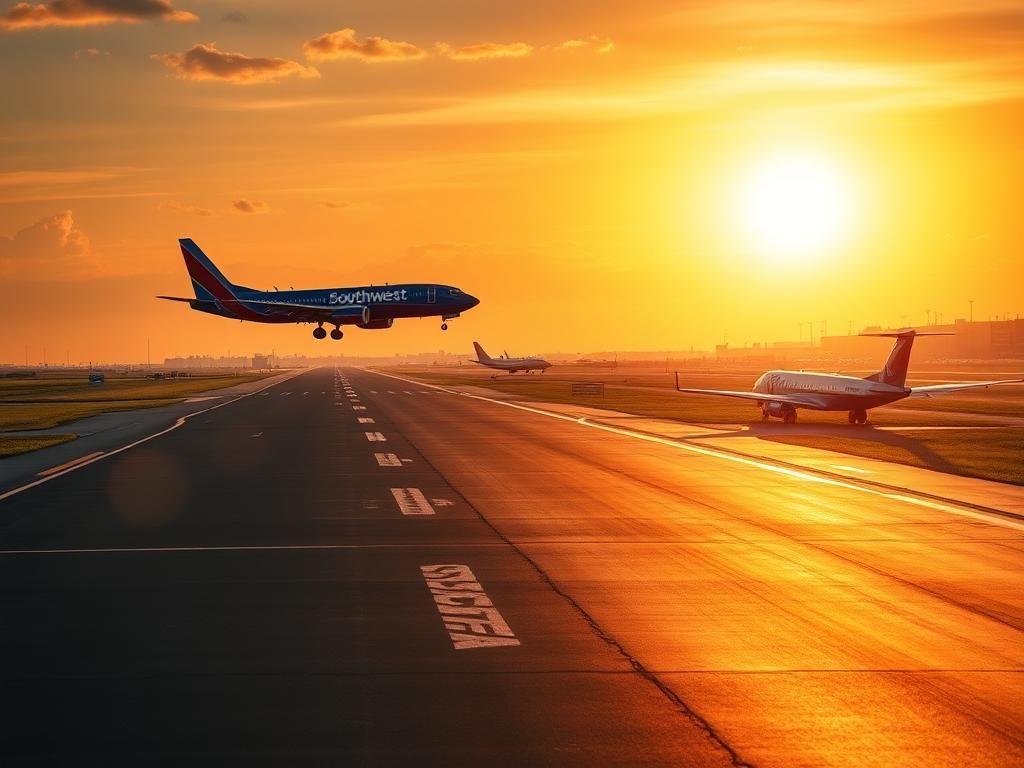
336, 334
319, 332
790, 416
444, 326
858, 417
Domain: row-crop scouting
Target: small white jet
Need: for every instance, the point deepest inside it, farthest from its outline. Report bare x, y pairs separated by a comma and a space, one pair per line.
510, 364
780, 393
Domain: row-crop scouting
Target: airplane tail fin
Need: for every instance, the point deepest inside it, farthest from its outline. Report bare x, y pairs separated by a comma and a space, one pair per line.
208, 282
481, 356
894, 372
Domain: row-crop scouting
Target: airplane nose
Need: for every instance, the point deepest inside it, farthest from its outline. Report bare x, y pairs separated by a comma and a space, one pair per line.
471, 301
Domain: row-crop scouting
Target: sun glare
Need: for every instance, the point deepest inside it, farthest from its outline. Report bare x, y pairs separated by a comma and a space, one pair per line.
794, 205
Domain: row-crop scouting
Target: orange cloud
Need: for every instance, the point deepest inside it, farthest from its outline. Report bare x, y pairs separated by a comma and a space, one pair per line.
343, 45
205, 62
336, 205
242, 205
599, 44
54, 245
485, 51
83, 13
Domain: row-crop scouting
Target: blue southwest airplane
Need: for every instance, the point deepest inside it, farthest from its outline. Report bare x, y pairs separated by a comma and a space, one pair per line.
370, 307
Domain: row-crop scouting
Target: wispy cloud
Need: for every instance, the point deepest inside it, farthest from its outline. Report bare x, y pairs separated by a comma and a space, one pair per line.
244, 205
83, 13
785, 85
594, 43
193, 210
485, 51
206, 62
235, 17
337, 205
344, 45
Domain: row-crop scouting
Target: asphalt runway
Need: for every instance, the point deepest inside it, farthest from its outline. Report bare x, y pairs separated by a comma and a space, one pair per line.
463, 582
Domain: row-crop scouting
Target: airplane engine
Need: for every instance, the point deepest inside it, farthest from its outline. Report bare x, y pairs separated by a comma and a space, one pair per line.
374, 325
778, 410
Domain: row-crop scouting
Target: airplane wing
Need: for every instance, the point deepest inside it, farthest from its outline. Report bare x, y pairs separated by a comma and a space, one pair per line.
305, 312
936, 390
801, 401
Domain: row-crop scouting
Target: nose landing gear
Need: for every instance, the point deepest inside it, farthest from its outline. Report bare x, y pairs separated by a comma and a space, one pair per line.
444, 326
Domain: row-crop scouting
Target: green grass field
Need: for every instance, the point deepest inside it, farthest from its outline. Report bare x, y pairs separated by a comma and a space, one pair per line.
12, 446
658, 400
994, 454
991, 454
44, 402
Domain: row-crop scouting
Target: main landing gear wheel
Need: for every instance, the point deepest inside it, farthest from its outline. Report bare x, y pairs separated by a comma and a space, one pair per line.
336, 334
861, 417
790, 417
319, 333
444, 326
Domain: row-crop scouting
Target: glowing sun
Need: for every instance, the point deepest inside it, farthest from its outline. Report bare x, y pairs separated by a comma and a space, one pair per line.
793, 205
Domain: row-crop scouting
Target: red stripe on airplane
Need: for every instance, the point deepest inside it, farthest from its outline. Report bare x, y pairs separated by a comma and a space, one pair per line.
216, 288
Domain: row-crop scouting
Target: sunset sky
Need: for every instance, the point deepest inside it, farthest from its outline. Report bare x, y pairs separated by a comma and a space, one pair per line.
602, 175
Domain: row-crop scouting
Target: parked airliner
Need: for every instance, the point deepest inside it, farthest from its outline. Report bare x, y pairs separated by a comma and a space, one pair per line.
780, 393
510, 364
369, 307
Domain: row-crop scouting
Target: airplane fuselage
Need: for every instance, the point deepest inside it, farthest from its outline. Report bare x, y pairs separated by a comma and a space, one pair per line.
833, 391
382, 303
513, 364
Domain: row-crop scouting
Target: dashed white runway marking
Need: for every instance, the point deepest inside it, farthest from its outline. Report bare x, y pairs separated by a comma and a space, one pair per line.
411, 501
387, 459
469, 615
68, 464
285, 393
366, 420
258, 434
391, 392
357, 407
305, 393
376, 437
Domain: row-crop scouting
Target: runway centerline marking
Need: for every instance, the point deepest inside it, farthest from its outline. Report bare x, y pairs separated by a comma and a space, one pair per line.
69, 464
797, 474
468, 614
411, 501
387, 460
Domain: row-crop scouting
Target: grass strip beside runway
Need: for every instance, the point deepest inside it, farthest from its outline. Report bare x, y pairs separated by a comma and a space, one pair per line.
12, 446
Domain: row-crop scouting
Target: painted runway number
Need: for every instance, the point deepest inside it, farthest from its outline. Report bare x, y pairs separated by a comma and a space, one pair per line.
376, 437
365, 420
469, 615
411, 501
388, 460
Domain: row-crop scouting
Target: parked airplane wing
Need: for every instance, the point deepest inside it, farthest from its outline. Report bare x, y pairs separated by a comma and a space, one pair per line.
936, 390
803, 401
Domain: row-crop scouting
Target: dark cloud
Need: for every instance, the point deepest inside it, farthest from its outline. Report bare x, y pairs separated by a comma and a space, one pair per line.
205, 62
242, 205
485, 51
83, 13
53, 246
343, 45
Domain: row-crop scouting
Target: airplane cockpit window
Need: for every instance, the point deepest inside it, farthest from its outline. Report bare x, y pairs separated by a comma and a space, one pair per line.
454, 291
